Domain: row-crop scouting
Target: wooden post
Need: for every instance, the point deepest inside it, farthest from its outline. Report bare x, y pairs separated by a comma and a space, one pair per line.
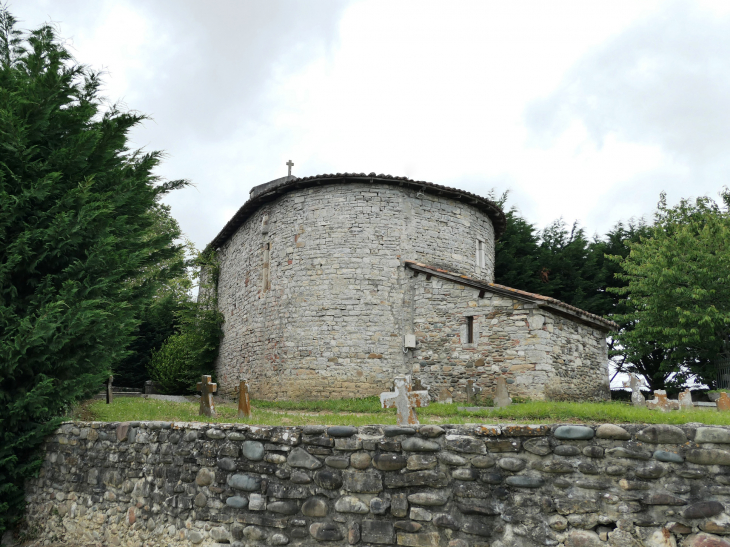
109, 393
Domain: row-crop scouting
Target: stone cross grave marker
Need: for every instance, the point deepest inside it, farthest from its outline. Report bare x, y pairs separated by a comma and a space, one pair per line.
472, 391
660, 402
244, 402
206, 388
501, 395
404, 401
109, 392
637, 398
685, 400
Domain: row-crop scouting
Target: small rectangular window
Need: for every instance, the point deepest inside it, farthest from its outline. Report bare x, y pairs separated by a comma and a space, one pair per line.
480, 253
469, 330
266, 270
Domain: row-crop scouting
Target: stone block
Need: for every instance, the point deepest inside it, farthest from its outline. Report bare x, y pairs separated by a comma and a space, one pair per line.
362, 482
377, 531
423, 539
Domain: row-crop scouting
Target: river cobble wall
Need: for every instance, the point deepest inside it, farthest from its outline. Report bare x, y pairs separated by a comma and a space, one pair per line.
155, 483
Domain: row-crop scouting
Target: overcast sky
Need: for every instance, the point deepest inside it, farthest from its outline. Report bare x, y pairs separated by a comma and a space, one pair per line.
585, 110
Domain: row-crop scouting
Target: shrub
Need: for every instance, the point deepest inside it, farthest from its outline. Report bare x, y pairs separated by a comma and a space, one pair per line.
191, 352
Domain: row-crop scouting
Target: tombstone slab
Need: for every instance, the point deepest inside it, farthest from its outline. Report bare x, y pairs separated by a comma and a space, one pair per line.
637, 398
207, 388
404, 401
501, 395
685, 400
723, 403
244, 402
445, 396
660, 402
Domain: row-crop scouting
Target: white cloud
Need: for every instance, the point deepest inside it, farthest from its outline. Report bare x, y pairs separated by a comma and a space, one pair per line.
585, 110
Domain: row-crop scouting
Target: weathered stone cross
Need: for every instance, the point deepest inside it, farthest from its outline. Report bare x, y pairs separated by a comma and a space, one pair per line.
207, 388
404, 401
290, 164
244, 402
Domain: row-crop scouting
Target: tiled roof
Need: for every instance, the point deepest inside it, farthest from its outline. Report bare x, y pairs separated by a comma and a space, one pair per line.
270, 191
542, 301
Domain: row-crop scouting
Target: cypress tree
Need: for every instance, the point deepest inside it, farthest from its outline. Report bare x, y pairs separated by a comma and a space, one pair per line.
81, 253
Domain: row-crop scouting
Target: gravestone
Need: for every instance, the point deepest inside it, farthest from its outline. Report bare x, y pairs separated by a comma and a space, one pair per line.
501, 395
723, 403
109, 392
637, 398
472, 391
685, 400
244, 402
445, 396
207, 388
404, 401
660, 402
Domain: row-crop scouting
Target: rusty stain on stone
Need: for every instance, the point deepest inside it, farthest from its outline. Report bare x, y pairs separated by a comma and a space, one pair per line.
244, 402
723, 403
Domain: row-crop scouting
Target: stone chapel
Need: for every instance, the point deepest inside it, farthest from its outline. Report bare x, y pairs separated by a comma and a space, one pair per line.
332, 285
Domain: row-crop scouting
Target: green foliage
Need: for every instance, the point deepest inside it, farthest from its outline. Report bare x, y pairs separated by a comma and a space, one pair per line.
191, 352
677, 292
79, 248
651, 362
158, 319
557, 262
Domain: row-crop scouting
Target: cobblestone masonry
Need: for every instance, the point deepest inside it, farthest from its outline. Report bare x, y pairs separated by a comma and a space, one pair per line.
317, 297
332, 323
540, 354
155, 483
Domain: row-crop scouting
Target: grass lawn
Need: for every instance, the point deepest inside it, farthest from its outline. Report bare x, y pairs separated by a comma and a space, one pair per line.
367, 411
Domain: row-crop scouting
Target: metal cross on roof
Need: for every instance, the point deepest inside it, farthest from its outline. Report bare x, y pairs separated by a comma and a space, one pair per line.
290, 164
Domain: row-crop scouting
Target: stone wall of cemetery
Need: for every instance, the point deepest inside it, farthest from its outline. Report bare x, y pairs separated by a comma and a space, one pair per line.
330, 320
157, 483
540, 354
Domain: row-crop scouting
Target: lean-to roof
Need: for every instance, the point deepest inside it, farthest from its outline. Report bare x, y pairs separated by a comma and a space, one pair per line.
561, 308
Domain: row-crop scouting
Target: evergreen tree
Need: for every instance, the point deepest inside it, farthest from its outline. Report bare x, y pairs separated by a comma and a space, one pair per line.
159, 319
80, 252
517, 256
554, 262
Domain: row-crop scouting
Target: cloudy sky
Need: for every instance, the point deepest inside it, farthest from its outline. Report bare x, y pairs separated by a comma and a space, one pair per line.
585, 110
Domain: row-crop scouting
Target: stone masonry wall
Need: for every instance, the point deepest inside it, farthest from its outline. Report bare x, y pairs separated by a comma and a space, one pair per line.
541, 354
332, 323
158, 484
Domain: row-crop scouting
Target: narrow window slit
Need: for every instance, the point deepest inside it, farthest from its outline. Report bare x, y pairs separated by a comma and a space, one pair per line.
266, 272
469, 330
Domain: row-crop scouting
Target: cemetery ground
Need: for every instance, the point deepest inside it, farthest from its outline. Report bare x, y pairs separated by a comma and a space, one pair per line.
357, 412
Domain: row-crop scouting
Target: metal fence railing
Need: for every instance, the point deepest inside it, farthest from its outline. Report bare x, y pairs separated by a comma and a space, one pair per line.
723, 372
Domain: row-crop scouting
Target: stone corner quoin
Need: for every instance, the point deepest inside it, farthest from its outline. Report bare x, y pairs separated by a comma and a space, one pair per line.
162, 483
322, 277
